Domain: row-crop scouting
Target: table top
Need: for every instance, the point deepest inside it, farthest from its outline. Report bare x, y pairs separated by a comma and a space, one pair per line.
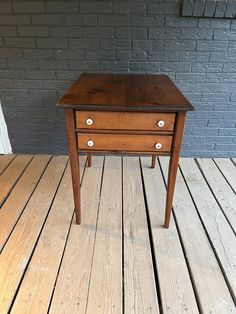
125, 92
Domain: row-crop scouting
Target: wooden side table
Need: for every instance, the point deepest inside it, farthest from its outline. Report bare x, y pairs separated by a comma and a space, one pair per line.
125, 113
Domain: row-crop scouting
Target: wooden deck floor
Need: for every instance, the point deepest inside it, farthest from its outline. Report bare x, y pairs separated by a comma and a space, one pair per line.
121, 259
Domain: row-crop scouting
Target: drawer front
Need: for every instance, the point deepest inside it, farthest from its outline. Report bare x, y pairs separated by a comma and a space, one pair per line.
120, 142
125, 121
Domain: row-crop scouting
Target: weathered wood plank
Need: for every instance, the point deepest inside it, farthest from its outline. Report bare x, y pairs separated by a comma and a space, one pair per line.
187, 9
222, 191
12, 174
217, 227
174, 282
105, 291
17, 252
228, 169
210, 7
211, 288
19, 196
199, 6
37, 286
139, 282
71, 290
231, 9
221, 8
4, 161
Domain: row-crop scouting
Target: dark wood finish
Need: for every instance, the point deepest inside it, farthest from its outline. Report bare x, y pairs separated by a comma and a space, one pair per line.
134, 132
89, 160
125, 111
74, 161
122, 152
124, 121
154, 158
125, 92
113, 142
173, 164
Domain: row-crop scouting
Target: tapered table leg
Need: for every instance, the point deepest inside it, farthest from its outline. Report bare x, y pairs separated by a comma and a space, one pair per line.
89, 160
173, 164
154, 158
74, 161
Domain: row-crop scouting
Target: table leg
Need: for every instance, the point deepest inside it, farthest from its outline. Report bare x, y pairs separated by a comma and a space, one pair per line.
89, 160
173, 164
154, 158
74, 161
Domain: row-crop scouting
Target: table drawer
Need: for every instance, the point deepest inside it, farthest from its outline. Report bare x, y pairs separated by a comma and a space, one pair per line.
124, 121
120, 142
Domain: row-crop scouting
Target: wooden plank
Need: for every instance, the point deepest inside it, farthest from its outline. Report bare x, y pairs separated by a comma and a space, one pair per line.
222, 191
70, 294
220, 233
187, 9
175, 286
12, 174
228, 169
17, 252
139, 282
209, 10
199, 6
19, 196
231, 9
36, 289
4, 161
221, 8
211, 288
105, 291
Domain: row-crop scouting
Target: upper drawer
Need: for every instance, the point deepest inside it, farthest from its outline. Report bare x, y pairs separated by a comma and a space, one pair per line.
124, 121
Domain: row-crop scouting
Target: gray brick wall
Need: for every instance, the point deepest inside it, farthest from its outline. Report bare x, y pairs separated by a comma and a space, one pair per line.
45, 45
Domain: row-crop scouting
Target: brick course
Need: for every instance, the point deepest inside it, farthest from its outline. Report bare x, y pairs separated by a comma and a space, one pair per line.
46, 45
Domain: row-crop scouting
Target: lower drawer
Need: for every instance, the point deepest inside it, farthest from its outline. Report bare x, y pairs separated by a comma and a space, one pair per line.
120, 142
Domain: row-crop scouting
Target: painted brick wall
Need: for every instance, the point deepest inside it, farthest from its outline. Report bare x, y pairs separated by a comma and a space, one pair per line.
44, 46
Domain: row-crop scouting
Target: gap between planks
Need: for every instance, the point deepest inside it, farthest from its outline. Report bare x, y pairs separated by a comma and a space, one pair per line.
19, 248
45, 262
218, 231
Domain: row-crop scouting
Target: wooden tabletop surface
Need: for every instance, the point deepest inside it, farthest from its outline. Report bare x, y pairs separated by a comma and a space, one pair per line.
125, 92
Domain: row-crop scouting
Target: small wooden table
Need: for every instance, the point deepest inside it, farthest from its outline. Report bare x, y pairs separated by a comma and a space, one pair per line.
124, 113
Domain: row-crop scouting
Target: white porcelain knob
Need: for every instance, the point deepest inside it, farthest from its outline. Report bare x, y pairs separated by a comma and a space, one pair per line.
89, 121
161, 123
90, 143
158, 145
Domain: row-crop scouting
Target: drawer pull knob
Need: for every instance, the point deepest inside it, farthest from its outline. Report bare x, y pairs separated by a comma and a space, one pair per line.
161, 123
89, 121
158, 146
90, 143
